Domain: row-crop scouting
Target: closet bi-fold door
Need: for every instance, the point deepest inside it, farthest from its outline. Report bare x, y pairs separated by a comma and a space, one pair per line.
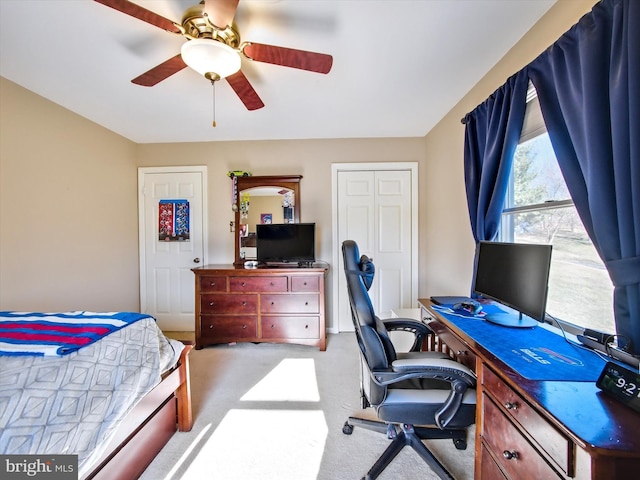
376, 209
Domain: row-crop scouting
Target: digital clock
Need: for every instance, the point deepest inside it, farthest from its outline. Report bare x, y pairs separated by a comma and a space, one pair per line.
621, 383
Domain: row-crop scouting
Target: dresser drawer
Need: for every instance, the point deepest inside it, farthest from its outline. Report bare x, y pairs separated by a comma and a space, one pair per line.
305, 284
213, 283
258, 284
228, 304
547, 438
298, 303
228, 328
290, 327
516, 456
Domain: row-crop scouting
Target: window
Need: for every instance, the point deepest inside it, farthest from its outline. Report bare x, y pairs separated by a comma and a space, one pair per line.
538, 209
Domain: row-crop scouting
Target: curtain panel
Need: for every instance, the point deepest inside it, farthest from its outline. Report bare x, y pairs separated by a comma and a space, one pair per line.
491, 138
588, 84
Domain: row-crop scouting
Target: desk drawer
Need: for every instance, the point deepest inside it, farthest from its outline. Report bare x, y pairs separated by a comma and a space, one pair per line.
298, 303
547, 438
228, 304
290, 327
516, 456
461, 352
489, 469
258, 284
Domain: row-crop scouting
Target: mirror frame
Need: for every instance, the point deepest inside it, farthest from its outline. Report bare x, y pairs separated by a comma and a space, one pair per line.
290, 182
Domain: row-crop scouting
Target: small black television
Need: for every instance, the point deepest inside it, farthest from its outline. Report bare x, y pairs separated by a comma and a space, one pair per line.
286, 242
515, 275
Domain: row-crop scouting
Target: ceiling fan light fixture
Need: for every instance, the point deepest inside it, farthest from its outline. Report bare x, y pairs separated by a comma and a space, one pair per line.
210, 58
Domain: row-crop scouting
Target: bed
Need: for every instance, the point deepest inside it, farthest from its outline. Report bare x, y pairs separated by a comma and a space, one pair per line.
106, 386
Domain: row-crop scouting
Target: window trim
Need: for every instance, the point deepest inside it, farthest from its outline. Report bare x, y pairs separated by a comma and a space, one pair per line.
546, 205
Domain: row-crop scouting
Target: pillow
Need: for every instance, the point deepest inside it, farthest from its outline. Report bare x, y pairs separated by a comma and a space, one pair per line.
368, 270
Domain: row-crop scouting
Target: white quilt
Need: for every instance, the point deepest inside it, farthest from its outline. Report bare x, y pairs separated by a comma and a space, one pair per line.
73, 404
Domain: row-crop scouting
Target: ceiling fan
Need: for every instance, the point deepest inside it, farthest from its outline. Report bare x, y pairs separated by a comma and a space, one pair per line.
213, 47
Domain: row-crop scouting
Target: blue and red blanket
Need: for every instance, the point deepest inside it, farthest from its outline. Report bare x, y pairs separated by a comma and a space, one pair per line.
32, 333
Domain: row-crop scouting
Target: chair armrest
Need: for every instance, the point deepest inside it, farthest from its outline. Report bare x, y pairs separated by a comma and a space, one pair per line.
457, 375
417, 362
419, 329
436, 368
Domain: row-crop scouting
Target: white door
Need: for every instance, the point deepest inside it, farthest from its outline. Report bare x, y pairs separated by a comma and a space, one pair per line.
167, 284
376, 205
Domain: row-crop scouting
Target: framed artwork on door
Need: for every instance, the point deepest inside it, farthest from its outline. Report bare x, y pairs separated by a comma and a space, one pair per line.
173, 220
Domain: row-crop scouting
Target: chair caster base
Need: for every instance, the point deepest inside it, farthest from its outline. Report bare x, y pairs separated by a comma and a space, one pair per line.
347, 428
460, 443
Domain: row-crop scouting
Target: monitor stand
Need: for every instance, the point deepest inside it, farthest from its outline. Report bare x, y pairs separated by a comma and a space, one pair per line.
514, 320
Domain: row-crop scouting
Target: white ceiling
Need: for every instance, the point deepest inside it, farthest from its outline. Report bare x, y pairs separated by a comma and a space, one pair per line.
399, 65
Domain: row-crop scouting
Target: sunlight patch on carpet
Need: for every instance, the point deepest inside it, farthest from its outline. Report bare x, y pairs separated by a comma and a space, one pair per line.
263, 444
187, 452
292, 380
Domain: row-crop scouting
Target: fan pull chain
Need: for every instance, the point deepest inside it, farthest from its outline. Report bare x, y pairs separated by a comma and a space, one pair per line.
213, 84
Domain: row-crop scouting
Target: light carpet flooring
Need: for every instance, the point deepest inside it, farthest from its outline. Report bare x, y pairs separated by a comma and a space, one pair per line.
267, 411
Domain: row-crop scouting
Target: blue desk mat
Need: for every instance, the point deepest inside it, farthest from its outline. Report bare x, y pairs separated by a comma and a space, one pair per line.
535, 353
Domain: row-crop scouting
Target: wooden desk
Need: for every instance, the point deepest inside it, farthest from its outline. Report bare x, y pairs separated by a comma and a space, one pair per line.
541, 429
266, 304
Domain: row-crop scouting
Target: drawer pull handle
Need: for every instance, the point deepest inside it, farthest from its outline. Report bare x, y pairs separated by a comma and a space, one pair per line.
306, 326
244, 284
210, 327
273, 303
213, 284
511, 406
461, 352
211, 304
513, 455
244, 326
272, 284
273, 326
304, 283
244, 303
306, 303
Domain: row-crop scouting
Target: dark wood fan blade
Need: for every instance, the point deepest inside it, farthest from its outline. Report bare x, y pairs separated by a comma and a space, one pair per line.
221, 12
289, 57
160, 72
245, 91
141, 14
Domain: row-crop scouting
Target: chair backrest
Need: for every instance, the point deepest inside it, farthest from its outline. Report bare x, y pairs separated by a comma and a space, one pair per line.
376, 348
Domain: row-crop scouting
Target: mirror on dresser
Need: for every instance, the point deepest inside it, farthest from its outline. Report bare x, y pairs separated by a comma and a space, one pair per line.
263, 199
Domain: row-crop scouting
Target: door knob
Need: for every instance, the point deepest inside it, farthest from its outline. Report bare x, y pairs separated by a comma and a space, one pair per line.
196, 260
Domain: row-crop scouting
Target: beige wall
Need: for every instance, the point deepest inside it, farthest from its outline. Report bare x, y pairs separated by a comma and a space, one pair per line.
68, 209
68, 202
310, 158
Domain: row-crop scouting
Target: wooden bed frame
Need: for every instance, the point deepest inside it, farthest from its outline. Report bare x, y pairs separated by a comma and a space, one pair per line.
149, 426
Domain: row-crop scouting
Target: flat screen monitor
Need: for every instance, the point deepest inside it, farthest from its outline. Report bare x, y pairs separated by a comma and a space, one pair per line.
516, 275
286, 242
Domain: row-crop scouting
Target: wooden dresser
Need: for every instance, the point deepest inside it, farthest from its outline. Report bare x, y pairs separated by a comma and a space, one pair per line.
528, 429
265, 304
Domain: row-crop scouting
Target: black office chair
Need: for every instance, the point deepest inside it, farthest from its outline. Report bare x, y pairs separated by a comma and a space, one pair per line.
416, 395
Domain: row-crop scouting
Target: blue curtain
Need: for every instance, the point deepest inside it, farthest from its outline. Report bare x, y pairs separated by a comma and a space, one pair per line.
588, 84
491, 137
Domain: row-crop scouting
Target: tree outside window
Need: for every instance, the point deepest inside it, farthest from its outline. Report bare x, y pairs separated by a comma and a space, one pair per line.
539, 210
